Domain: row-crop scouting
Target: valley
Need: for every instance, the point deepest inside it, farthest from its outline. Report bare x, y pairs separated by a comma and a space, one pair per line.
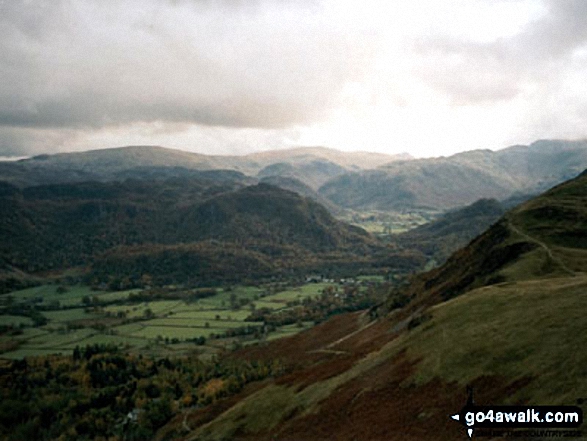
293, 221
504, 315
143, 299
202, 322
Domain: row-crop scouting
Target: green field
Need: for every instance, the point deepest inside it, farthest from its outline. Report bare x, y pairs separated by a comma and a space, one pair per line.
69, 315
15, 320
193, 323
308, 290
119, 340
72, 295
386, 223
153, 332
78, 316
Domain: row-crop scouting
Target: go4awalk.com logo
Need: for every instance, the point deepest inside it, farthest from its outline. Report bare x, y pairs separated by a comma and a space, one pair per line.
474, 417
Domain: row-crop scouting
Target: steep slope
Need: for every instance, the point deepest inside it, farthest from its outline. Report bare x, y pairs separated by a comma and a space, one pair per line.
505, 316
444, 183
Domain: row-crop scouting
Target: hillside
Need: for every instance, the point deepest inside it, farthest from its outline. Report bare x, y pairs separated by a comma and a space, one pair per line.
444, 183
348, 160
453, 230
177, 230
314, 173
542, 238
297, 186
504, 315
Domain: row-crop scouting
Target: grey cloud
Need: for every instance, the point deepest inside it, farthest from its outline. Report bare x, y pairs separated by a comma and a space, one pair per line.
563, 29
16, 141
472, 72
92, 64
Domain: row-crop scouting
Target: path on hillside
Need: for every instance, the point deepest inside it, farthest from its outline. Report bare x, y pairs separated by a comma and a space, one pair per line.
328, 348
551, 256
352, 334
398, 327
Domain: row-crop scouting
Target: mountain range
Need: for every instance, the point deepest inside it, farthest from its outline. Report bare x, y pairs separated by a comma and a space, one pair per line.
317, 164
357, 180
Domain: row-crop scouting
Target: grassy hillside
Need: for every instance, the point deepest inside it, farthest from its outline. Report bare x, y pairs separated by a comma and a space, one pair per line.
505, 315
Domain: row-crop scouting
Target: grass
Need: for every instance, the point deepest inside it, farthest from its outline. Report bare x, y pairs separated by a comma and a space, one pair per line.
48, 293
28, 333
267, 304
529, 329
69, 315
372, 278
286, 331
128, 328
307, 290
536, 328
138, 310
14, 320
26, 352
119, 340
194, 323
58, 340
153, 332
262, 410
172, 319
116, 295
211, 314
73, 295
222, 299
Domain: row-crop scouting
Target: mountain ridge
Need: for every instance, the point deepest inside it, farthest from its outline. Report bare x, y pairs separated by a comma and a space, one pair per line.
448, 182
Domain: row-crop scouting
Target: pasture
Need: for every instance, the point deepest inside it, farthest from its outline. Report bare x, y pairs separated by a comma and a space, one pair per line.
78, 316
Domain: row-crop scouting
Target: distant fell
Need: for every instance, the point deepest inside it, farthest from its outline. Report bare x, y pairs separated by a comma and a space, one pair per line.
316, 165
350, 160
313, 173
445, 183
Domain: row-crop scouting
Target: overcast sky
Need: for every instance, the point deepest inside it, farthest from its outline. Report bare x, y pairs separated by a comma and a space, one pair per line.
426, 77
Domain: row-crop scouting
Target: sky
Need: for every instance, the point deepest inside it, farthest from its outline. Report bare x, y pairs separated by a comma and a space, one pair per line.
427, 77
